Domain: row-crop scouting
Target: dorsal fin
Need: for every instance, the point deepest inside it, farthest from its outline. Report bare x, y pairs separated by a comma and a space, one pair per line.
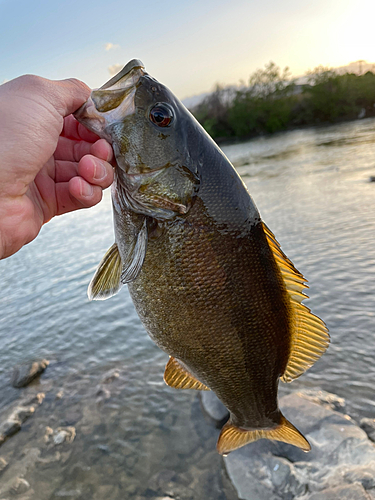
310, 337
177, 376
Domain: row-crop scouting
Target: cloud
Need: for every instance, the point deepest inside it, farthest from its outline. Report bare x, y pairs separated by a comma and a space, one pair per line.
110, 46
115, 68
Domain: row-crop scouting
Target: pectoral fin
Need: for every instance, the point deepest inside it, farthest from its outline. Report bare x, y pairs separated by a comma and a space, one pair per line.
177, 376
106, 281
113, 272
231, 437
133, 262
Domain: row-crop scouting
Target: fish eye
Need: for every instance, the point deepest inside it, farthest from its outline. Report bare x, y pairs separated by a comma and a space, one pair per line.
162, 115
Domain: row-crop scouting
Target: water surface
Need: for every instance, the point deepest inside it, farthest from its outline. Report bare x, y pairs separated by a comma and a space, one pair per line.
135, 436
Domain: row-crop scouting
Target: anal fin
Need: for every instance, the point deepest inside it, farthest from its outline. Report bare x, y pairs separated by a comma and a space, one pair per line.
106, 280
177, 376
231, 437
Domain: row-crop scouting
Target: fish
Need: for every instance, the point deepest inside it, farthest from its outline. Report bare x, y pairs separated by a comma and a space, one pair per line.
207, 277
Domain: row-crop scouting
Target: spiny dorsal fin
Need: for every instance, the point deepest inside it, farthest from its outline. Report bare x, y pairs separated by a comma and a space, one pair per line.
178, 377
106, 280
310, 337
231, 437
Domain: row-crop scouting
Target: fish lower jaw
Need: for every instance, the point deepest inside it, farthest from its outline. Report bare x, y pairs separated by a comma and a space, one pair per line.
88, 115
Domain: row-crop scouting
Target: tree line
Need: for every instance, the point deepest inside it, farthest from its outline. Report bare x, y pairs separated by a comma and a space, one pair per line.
272, 102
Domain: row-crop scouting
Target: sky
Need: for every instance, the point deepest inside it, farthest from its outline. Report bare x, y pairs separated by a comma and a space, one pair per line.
189, 45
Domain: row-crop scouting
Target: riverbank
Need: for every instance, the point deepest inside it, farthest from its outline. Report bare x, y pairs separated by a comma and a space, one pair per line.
273, 102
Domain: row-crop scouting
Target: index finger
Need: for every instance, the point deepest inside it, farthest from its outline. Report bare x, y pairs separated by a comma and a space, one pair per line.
72, 129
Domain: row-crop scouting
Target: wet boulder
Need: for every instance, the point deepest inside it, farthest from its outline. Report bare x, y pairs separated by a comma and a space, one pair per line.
340, 465
368, 425
25, 373
213, 408
60, 435
11, 423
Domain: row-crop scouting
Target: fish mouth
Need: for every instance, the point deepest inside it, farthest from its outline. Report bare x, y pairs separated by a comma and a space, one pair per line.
112, 101
126, 73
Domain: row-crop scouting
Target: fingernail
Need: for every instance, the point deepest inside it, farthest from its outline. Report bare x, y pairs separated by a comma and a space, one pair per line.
86, 189
100, 172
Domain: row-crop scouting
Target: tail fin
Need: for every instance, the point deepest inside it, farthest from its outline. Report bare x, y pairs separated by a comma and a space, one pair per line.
232, 437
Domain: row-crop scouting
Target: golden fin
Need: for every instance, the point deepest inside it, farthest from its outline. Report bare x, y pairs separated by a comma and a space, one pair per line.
178, 377
232, 437
106, 281
310, 337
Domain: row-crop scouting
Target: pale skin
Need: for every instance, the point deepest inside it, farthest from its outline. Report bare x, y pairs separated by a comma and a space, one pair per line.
49, 163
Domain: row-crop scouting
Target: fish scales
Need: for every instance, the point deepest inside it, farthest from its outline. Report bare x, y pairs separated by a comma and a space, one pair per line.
197, 306
207, 277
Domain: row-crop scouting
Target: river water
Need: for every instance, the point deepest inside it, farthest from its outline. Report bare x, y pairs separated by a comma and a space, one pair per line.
135, 436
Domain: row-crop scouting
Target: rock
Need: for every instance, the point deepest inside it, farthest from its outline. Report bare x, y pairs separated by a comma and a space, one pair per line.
368, 425
341, 464
9, 428
249, 479
110, 377
106, 491
22, 413
18, 415
73, 414
60, 435
214, 408
27, 372
68, 493
102, 394
59, 394
324, 398
161, 480
19, 486
351, 492
3, 464
12, 479
33, 400
372, 178
363, 475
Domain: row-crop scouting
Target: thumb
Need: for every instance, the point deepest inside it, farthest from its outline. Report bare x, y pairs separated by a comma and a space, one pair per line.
66, 96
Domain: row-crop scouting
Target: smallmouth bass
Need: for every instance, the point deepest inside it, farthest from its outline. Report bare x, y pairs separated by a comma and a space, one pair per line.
207, 277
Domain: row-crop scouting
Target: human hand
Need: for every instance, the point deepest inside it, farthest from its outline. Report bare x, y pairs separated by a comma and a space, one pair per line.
49, 163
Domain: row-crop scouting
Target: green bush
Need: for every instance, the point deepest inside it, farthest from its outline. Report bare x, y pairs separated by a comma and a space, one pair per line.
272, 102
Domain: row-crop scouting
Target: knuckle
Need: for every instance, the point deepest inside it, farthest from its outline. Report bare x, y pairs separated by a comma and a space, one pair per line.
27, 82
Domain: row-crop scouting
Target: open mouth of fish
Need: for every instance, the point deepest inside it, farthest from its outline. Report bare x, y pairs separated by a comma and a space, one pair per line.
111, 103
